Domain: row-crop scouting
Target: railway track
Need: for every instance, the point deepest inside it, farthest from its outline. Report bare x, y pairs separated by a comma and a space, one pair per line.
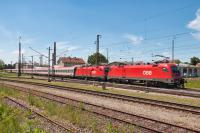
143, 123
60, 127
162, 104
175, 91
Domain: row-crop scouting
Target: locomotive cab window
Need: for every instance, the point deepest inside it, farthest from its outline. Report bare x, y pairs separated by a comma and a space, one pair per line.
174, 69
164, 69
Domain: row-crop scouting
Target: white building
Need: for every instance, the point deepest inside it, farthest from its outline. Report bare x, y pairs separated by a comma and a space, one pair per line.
187, 70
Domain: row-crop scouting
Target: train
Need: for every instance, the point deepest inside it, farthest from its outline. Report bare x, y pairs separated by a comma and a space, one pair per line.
150, 74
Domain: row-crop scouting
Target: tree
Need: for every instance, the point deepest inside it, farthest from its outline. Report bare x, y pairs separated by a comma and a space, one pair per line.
194, 60
9, 66
1, 64
92, 59
177, 61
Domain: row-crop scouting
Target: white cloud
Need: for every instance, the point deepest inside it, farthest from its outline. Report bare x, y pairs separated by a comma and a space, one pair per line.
9, 42
5, 32
159, 44
167, 54
64, 45
16, 52
134, 39
28, 41
1, 50
195, 25
196, 35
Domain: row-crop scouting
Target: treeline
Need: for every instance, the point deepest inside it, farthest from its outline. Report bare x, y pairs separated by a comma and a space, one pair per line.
5, 66
102, 59
194, 60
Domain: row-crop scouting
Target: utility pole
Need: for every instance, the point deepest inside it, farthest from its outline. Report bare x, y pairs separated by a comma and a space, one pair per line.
132, 60
11, 67
52, 67
54, 52
97, 50
107, 54
49, 80
41, 60
19, 62
22, 64
53, 60
32, 66
173, 48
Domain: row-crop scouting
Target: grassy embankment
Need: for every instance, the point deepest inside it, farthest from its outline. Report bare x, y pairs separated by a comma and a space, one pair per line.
161, 97
76, 116
13, 120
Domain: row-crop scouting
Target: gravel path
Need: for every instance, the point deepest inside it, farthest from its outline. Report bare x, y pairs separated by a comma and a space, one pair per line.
180, 118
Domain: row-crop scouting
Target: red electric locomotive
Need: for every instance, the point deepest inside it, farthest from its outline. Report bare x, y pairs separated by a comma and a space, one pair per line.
91, 72
154, 74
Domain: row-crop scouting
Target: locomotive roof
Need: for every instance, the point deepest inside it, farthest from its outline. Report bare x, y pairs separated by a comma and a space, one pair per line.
144, 65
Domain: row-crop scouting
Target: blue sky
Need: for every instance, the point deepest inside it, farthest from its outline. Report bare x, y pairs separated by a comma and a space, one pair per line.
129, 28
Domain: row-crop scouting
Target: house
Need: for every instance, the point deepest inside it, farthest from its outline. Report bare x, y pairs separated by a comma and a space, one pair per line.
70, 61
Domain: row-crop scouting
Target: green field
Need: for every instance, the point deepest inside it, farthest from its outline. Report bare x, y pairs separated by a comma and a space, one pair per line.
193, 83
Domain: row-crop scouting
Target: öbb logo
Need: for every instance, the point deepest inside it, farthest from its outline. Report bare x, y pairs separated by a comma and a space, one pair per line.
147, 72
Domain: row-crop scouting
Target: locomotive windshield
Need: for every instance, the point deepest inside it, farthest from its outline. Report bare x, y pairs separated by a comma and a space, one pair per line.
174, 69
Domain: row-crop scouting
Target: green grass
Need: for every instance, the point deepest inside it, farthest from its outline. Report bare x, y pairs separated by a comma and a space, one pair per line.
13, 75
76, 116
193, 83
13, 120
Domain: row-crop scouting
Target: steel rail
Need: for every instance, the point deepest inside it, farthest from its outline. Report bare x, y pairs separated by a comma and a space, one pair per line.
180, 92
163, 104
167, 127
39, 114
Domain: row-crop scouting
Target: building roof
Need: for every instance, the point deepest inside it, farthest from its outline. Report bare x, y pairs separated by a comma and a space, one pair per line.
186, 65
74, 60
198, 64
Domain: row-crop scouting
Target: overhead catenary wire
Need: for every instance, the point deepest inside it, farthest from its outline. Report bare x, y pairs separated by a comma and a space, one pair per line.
38, 52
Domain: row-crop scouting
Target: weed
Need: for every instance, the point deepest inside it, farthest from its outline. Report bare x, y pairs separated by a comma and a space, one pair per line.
94, 126
110, 128
30, 99
14, 121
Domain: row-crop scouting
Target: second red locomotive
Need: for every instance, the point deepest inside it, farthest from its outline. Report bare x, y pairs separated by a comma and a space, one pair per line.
155, 74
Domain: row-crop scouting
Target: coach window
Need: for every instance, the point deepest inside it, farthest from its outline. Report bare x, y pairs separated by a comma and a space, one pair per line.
164, 69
